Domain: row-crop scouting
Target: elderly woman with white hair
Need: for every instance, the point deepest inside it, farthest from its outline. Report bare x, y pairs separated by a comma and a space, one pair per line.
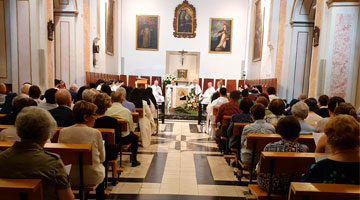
89, 95
28, 160
300, 111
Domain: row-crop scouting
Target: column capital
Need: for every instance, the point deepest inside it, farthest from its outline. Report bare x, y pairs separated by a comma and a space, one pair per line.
342, 3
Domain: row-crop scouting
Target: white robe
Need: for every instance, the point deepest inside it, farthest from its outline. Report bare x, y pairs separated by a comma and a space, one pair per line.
207, 95
210, 116
145, 125
169, 89
197, 88
157, 92
154, 115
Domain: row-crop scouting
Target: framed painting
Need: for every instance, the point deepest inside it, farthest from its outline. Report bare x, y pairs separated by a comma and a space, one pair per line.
185, 21
258, 32
147, 32
220, 35
109, 27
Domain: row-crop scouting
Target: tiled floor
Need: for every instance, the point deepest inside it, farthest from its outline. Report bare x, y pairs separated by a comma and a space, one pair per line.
181, 163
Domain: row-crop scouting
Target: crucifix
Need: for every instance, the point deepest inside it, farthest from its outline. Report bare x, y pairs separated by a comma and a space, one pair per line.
182, 56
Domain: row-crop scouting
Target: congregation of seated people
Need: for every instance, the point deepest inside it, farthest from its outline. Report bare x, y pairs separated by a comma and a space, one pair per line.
99, 105
268, 114
78, 112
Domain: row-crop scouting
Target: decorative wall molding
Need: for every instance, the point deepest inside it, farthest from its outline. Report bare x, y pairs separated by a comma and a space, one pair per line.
303, 12
3, 55
23, 42
342, 3
65, 7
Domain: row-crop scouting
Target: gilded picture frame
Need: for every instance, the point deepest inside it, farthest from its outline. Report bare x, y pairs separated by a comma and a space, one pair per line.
109, 27
220, 35
258, 32
147, 32
185, 21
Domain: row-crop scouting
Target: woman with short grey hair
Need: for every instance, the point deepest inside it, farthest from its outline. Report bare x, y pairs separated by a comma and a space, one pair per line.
28, 160
34, 123
300, 111
89, 95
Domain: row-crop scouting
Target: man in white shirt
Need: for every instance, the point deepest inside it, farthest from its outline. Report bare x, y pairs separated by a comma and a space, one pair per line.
208, 93
216, 103
312, 117
272, 93
157, 91
195, 87
118, 111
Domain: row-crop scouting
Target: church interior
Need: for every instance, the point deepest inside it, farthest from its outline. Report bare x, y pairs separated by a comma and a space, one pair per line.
179, 99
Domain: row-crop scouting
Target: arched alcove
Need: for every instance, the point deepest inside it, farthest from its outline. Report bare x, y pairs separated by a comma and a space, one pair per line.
302, 23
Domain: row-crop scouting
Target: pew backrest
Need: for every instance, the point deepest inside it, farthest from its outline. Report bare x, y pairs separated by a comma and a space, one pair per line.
286, 162
140, 112
30, 189
69, 153
226, 120
108, 135
2, 126
136, 117
238, 128
313, 191
261, 140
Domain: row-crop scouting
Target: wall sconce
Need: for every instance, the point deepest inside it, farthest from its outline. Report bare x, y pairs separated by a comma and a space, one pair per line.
96, 50
51, 29
316, 36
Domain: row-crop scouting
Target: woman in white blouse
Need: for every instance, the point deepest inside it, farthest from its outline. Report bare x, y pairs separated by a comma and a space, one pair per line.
83, 133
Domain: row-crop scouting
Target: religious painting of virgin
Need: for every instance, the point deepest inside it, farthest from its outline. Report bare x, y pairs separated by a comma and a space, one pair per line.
109, 28
220, 35
258, 32
147, 32
185, 21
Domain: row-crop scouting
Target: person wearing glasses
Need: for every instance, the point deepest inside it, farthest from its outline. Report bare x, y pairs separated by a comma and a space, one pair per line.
83, 133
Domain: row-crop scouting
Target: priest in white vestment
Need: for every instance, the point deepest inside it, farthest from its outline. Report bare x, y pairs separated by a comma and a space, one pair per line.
208, 93
195, 87
157, 92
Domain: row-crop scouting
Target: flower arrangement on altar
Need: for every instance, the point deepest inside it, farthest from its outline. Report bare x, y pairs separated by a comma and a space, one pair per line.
191, 106
168, 78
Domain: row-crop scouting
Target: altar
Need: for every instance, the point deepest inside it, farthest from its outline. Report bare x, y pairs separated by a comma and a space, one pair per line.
176, 95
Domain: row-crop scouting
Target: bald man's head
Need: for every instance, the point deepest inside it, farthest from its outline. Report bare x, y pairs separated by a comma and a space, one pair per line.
63, 97
302, 97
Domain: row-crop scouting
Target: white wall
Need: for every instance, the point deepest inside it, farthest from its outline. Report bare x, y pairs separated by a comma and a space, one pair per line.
211, 65
265, 68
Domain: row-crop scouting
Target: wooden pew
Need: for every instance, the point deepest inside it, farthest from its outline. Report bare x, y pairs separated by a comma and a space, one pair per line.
225, 122
273, 163
2, 126
2, 116
238, 128
237, 131
79, 154
30, 189
139, 112
314, 191
257, 142
215, 110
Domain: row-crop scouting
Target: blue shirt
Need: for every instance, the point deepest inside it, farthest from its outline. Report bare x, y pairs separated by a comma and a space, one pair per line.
259, 126
306, 128
130, 106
